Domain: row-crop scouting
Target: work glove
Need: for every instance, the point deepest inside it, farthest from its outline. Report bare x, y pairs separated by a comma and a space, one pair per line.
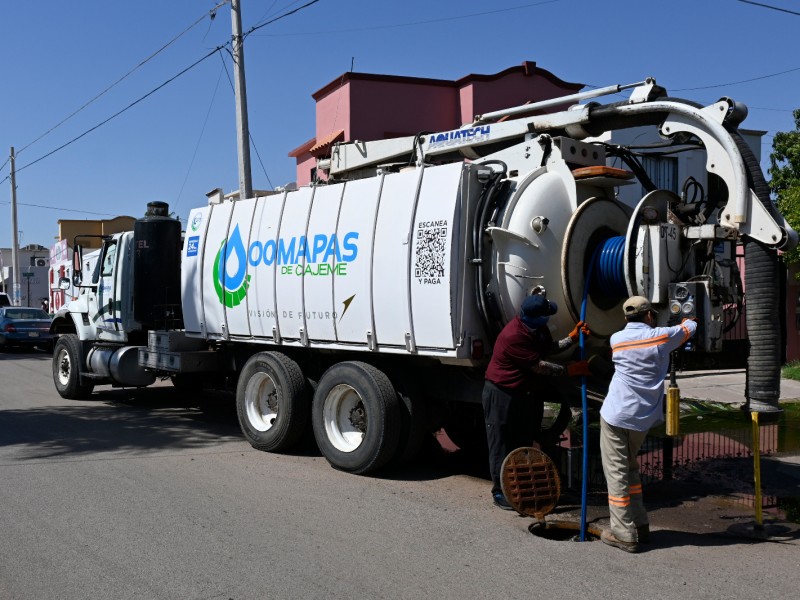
578, 368
580, 326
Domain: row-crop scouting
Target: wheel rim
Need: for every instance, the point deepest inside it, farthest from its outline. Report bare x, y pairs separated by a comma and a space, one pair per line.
261, 402
64, 367
345, 418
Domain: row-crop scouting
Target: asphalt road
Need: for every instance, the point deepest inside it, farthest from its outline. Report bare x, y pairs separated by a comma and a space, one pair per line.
143, 494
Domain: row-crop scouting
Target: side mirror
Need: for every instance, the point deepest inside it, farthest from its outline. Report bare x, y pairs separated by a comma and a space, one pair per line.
77, 262
63, 283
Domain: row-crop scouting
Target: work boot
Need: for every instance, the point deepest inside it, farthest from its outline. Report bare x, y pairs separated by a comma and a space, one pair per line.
643, 533
500, 500
609, 538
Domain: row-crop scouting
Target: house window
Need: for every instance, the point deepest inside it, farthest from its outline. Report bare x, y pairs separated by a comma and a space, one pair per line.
663, 172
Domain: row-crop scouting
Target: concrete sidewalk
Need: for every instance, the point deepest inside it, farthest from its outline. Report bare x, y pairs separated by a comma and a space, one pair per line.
725, 386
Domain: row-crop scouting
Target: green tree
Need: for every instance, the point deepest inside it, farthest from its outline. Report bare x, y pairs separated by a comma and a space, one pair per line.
785, 173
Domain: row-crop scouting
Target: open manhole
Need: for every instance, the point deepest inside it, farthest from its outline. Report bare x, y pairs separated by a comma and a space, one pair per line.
532, 486
564, 531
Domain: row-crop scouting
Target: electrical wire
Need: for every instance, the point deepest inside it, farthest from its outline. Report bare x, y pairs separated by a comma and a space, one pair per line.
719, 85
268, 13
761, 4
279, 17
118, 113
411, 23
211, 13
199, 139
63, 209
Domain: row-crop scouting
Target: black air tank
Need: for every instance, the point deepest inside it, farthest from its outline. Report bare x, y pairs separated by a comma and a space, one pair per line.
157, 269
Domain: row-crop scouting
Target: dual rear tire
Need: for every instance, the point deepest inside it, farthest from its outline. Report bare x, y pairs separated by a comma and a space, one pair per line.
356, 414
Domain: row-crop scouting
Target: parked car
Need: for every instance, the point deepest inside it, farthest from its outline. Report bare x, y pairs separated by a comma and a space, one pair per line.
24, 326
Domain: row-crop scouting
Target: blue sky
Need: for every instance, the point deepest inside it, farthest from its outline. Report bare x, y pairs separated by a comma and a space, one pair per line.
180, 141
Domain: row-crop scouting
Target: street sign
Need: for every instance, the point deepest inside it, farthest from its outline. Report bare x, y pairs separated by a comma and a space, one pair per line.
27, 274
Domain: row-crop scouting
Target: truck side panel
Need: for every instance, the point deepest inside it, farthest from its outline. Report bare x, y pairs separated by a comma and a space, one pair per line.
353, 291
391, 258
262, 260
322, 263
191, 265
239, 269
218, 259
291, 257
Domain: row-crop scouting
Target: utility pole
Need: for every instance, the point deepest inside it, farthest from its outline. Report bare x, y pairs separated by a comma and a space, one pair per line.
15, 294
242, 128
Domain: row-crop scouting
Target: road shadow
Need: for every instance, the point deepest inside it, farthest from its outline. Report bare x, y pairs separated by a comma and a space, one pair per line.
134, 421
666, 538
25, 354
435, 462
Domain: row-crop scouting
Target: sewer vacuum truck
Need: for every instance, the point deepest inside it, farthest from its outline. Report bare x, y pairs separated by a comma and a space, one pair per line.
365, 307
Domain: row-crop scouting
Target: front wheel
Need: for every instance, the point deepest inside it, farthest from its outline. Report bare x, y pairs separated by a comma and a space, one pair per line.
356, 417
67, 361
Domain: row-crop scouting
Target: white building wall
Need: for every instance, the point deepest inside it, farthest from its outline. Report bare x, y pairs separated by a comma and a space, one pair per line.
34, 268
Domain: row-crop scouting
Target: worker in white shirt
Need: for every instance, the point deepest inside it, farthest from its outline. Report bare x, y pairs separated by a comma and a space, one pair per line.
635, 402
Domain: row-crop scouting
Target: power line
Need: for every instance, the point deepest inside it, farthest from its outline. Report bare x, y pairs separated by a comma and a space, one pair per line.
154, 90
719, 85
786, 10
212, 13
118, 113
412, 23
268, 12
278, 18
199, 139
63, 209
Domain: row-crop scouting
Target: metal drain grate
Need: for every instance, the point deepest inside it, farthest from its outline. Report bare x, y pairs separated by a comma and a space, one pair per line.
530, 482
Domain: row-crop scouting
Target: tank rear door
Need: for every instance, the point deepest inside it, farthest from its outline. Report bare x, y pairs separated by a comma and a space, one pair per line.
433, 270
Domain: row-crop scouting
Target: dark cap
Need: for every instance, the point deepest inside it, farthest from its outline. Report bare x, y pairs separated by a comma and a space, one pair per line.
534, 307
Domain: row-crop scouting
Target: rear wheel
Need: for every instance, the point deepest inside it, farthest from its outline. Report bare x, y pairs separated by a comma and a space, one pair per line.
356, 417
67, 361
272, 401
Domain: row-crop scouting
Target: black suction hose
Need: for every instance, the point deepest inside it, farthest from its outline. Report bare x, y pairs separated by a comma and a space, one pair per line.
762, 308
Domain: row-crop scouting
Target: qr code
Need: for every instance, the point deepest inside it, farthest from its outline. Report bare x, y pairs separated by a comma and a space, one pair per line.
430, 254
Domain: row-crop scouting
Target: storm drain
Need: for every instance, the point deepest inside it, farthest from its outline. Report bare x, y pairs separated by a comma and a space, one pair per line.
532, 486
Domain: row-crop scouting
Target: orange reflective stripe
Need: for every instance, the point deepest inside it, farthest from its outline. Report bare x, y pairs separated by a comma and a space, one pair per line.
637, 344
636, 489
686, 333
619, 500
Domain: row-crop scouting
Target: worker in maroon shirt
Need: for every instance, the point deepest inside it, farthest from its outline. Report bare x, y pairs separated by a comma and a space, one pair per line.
517, 361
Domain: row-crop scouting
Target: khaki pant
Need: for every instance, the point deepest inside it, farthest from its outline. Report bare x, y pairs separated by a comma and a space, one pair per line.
619, 447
